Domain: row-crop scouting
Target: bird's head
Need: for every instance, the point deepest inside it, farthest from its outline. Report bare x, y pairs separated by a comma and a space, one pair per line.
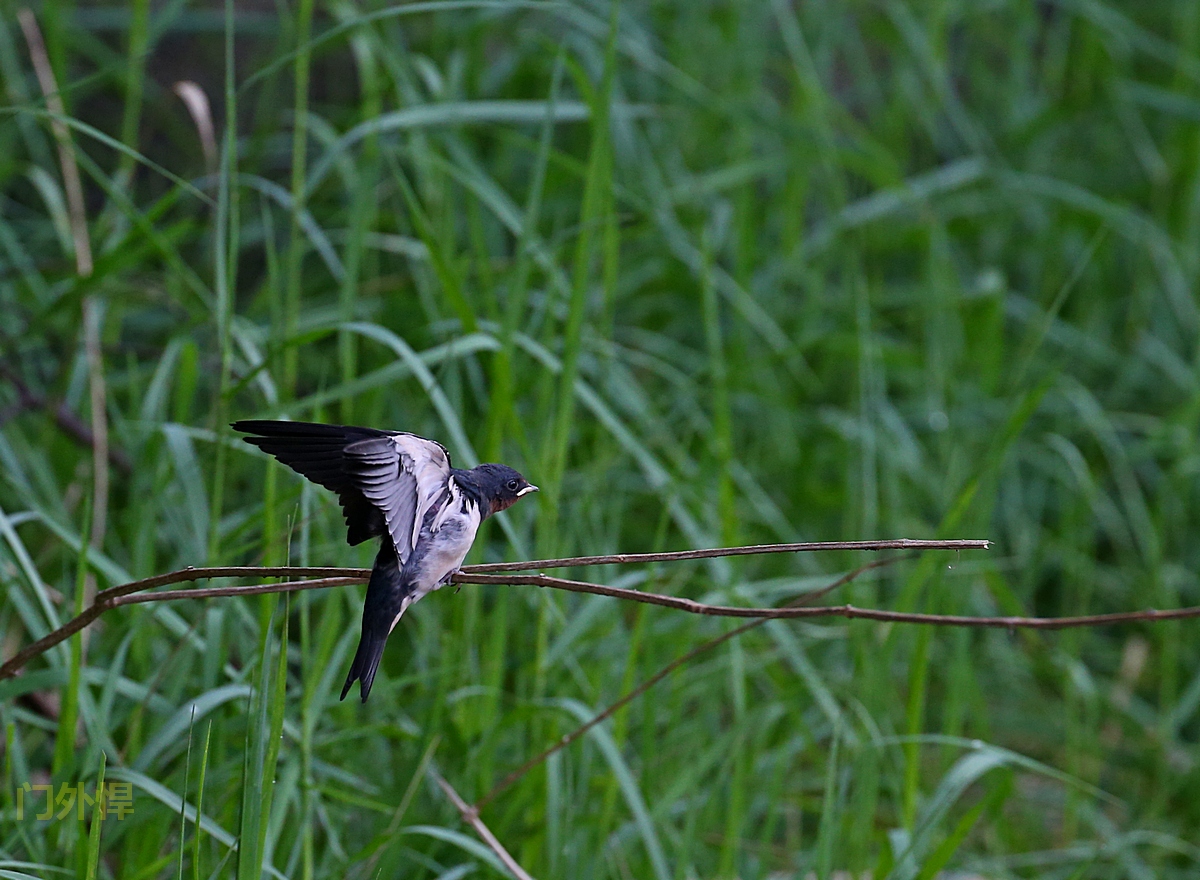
500, 485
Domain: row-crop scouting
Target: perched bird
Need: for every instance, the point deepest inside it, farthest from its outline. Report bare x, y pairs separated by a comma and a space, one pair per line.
399, 487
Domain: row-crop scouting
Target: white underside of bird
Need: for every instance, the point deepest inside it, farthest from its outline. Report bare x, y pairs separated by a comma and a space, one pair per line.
440, 549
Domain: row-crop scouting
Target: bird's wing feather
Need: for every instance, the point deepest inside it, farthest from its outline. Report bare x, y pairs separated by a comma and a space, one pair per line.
402, 475
315, 451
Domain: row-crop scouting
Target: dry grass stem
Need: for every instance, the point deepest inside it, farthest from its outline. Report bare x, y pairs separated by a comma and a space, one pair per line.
91, 312
471, 816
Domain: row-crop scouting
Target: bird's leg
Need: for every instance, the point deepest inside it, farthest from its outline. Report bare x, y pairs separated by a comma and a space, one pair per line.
449, 577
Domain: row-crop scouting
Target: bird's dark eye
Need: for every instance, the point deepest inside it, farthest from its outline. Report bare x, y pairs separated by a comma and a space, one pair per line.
512, 485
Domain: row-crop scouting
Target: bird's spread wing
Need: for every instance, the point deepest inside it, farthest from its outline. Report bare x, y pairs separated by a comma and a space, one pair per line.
385, 480
403, 476
316, 452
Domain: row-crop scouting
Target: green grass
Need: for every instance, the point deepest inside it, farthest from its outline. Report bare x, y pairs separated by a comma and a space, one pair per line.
706, 273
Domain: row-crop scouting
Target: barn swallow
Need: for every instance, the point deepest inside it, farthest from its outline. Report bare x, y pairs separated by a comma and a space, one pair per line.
401, 488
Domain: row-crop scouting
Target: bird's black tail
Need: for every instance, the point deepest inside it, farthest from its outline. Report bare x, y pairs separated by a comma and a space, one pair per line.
366, 661
386, 593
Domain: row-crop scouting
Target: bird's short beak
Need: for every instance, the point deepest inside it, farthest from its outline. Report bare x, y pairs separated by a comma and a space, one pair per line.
527, 490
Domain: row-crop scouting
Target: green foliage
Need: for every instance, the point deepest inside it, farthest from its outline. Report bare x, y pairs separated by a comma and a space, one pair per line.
707, 273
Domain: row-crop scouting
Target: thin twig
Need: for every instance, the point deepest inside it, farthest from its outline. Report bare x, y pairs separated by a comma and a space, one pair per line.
213, 592
471, 816
190, 573
749, 550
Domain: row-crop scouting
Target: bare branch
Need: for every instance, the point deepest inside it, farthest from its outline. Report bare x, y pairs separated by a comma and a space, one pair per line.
749, 550
331, 577
223, 571
471, 816
255, 590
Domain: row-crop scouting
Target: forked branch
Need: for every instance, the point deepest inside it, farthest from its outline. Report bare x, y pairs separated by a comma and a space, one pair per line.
135, 592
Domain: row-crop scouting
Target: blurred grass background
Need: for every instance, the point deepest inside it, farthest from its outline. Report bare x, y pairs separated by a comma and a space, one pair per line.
707, 273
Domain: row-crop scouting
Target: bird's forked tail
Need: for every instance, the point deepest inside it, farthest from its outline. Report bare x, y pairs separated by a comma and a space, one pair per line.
386, 594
